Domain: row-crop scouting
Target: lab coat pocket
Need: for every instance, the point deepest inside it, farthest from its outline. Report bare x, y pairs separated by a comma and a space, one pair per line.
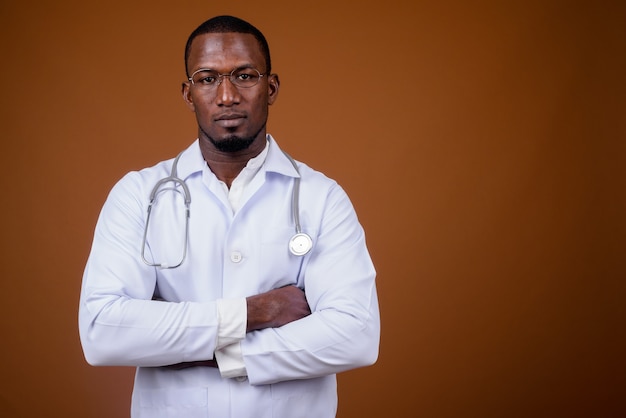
174, 403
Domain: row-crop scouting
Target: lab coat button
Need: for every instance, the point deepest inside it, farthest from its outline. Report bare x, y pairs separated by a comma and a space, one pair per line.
241, 378
236, 257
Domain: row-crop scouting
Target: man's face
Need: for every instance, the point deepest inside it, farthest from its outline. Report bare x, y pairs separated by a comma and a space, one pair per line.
228, 116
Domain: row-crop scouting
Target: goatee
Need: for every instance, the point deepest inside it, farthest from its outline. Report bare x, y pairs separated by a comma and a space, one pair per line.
232, 143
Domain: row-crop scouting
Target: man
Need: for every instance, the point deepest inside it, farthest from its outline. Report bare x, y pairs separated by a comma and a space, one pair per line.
205, 298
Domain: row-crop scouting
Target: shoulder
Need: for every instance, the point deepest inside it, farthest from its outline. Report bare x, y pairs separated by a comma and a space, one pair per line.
142, 181
280, 161
139, 180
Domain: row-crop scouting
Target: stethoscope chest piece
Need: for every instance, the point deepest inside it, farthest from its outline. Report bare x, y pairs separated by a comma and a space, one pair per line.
300, 244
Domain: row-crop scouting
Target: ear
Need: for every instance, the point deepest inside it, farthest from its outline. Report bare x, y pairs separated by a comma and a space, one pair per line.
273, 84
186, 91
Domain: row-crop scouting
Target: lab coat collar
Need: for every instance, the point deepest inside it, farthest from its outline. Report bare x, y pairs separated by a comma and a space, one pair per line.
191, 160
276, 160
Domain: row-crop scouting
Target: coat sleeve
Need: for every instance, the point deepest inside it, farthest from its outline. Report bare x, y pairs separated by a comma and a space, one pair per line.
119, 323
343, 330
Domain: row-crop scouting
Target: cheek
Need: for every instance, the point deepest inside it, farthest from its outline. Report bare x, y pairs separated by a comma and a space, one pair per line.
201, 107
260, 107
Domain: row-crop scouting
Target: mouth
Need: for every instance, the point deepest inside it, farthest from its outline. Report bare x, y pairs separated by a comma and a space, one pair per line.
230, 120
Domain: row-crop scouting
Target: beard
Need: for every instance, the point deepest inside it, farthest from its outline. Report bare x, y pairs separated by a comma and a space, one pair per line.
233, 143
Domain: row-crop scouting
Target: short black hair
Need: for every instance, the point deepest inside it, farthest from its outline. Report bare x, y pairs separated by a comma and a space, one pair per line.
228, 24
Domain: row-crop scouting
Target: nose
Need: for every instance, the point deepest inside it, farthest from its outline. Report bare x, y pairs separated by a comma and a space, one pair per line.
227, 92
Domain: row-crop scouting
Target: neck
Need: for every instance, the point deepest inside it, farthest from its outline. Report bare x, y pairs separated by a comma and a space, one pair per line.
227, 165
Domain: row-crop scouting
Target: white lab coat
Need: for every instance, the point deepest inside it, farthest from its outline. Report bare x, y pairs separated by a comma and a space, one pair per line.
290, 370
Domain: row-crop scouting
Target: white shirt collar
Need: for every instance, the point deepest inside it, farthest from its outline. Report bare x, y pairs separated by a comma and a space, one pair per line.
244, 178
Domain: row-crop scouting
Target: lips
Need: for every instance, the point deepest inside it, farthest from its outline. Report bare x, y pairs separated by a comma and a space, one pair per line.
230, 120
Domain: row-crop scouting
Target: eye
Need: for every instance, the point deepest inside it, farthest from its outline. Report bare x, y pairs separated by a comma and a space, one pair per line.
205, 78
246, 76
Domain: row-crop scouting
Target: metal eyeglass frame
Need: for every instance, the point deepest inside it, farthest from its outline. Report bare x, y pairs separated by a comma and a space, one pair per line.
220, 77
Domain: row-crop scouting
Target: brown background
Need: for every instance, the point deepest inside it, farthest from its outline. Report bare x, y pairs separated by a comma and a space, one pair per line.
483, 146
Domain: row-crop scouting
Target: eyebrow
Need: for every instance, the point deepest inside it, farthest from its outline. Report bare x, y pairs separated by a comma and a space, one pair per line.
240, 67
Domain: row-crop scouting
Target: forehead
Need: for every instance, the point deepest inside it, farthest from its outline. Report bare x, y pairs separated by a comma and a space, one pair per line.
225, 51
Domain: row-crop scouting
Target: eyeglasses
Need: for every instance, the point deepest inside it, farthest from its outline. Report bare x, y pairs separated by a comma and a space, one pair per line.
241, 77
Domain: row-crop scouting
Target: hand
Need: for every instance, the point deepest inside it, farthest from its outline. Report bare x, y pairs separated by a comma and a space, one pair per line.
276, 308
187, 364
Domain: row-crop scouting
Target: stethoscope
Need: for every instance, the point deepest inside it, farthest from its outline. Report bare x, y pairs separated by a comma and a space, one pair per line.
299, 245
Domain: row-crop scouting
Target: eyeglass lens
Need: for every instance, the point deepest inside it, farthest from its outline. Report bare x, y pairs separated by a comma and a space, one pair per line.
240, 77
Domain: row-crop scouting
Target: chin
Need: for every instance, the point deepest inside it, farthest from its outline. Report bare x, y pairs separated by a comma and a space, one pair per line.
232, 143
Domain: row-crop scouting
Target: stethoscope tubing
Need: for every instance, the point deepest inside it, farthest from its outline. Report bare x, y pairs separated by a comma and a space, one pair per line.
173, 178
299, 245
